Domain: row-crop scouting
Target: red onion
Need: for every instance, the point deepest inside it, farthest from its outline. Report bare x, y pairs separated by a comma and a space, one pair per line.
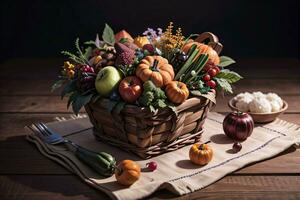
238, 125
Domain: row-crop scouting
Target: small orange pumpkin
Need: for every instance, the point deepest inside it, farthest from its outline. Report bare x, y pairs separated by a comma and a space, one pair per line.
155, 68
201, 154
203, 49
177, 92
127, 172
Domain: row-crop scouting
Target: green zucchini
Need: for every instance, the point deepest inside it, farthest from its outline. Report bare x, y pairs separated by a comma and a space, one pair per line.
102, 163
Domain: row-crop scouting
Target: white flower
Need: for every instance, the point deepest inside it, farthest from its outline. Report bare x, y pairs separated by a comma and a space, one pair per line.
260, 105
275, 97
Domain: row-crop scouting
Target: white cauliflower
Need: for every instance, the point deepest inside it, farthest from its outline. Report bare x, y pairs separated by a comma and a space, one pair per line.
274, 97
243, 95
258, 95
260, 105
275, 106
243, 103
257, 102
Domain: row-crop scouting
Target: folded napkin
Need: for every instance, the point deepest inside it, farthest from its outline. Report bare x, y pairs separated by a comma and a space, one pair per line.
175, 172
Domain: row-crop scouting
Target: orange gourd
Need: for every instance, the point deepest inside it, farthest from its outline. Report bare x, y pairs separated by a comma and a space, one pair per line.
201, 154
203, 49
127, 172
177, 92
155, 68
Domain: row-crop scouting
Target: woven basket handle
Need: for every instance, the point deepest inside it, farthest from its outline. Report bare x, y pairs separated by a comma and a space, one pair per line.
213, 41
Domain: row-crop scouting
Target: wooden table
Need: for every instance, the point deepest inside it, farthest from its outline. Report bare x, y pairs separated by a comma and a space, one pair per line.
26, 98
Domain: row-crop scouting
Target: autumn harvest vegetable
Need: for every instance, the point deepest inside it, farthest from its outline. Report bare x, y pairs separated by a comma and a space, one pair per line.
157, 56
201, 154
155, 68
127, 172
238, 125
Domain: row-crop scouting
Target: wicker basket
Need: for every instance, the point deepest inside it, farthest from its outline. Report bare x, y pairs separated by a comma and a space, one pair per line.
138, 130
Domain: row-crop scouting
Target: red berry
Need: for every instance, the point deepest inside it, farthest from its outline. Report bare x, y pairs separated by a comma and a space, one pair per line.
211, 83
217, 69
86, 68
212, 72
152, 165
236, 147
206, 77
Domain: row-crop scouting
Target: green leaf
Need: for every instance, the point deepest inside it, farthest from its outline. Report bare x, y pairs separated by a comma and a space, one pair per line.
171, 106
88, 52
108, 35
225, 61
80, 101
224, 84
57, 84
69, 87
230, 76
161, 103
123, 40
152, 109
72, 98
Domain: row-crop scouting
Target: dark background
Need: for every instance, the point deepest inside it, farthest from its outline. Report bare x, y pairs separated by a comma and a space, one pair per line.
36, 28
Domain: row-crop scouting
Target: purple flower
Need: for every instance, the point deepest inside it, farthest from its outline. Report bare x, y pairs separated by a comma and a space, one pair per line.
152, 34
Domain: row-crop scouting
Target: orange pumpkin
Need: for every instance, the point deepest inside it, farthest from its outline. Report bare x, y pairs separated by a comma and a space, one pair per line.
155, 68
127, 172
177, 92
201, 154
203, 49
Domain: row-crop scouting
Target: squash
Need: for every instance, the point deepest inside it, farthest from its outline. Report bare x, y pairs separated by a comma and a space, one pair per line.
203, 49
201, 154
127, 172
177, 92
155, 68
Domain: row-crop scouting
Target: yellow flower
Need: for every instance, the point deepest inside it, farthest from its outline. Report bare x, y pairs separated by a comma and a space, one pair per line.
141, 41
68, 70
68, 65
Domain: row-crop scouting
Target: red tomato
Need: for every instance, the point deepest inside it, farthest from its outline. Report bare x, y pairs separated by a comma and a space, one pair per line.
130, 89
211, 83
212, 72
206, 77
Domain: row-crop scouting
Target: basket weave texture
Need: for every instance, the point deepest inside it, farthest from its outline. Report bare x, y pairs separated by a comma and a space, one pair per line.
138, 130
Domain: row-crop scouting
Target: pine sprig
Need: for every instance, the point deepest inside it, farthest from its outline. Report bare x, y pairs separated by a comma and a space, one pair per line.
73, 57
79, 51
81, 58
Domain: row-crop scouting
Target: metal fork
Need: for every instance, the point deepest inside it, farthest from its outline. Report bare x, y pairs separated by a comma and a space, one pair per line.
101, 162
51, 137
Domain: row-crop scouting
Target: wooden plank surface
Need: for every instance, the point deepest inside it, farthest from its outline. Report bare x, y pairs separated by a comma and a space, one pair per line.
25, 98
231, 187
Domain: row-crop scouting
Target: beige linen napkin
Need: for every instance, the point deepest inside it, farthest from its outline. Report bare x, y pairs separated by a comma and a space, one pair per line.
175, 172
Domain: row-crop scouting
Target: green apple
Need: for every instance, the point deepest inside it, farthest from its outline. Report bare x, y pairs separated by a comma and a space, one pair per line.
107, 80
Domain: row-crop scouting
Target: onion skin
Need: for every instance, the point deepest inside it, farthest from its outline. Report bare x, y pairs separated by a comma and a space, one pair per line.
238, 126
